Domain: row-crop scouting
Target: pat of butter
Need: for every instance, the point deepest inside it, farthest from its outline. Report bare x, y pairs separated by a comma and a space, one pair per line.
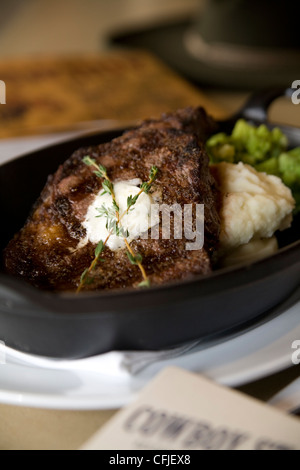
136, 222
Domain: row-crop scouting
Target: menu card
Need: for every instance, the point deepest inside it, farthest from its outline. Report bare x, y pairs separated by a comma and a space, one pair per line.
184, 411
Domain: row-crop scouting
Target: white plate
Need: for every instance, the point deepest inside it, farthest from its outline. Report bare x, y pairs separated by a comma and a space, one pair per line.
259, 352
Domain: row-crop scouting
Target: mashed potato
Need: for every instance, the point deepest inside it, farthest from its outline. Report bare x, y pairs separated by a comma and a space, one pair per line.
254, 205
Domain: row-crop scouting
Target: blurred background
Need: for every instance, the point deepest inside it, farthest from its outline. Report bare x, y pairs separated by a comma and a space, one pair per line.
77, 50
78, 26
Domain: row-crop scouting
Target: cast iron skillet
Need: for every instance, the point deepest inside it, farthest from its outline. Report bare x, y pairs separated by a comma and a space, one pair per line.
70, 326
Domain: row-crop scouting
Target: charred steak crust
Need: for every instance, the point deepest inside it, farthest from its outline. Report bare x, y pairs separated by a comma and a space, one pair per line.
44, 251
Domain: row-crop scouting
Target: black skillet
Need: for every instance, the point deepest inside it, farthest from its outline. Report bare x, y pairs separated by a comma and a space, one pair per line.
70, 326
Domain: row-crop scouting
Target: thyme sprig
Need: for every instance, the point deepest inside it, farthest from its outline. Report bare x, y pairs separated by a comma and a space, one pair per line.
113, 222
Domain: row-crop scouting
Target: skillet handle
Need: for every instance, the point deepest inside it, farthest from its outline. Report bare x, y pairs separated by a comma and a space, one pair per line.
256, 108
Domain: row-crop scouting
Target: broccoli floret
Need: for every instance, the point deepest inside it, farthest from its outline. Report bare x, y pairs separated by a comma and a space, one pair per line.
257, 143
220, 148
249, 144
269, 166
241, 134
280, 142
289, 167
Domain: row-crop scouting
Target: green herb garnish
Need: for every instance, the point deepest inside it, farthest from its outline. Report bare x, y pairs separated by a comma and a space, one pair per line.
113, 222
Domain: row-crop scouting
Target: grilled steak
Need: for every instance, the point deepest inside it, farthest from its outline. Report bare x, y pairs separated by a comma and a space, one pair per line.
47, 253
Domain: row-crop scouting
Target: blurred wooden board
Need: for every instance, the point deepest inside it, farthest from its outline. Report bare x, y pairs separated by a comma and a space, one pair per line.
52, 94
